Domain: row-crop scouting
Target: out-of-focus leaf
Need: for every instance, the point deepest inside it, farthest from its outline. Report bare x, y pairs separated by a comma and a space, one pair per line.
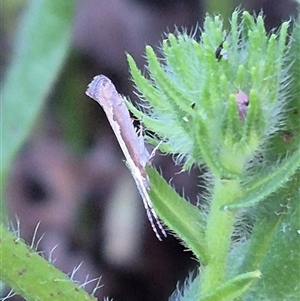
40, 50
185, 219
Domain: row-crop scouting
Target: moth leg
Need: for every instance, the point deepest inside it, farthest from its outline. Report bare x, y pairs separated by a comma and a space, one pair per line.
154, 151
153, 218
143, 186
143, 152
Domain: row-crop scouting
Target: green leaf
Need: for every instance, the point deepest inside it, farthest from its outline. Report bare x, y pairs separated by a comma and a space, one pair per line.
265, 185
41, 47
255, 249
280, 263
155, 125
179, 215
145, 87
204, 149
31, 276
294, 59
233, 288
177, 63
254, 123
189, 291
180, 102
232, 125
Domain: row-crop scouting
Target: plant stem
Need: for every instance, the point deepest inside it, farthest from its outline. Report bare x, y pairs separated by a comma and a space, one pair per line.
31, 276
218, 235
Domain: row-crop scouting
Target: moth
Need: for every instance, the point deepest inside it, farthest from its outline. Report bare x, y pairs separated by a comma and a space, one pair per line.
102, 90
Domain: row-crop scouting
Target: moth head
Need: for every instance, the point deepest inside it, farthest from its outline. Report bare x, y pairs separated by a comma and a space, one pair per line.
99, 87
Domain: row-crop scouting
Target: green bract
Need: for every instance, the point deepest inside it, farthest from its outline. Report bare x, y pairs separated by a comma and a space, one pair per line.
195, 94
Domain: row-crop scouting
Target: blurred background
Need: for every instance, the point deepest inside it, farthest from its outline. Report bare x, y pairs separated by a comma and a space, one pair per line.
68, 174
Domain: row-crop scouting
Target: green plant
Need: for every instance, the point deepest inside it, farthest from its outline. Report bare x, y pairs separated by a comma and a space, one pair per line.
231, 103
250, 152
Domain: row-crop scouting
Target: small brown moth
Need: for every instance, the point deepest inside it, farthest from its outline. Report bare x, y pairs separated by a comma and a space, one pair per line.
104, 92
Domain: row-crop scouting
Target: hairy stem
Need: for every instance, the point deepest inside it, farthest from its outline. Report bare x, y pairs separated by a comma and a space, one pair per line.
32, 276
219, 230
